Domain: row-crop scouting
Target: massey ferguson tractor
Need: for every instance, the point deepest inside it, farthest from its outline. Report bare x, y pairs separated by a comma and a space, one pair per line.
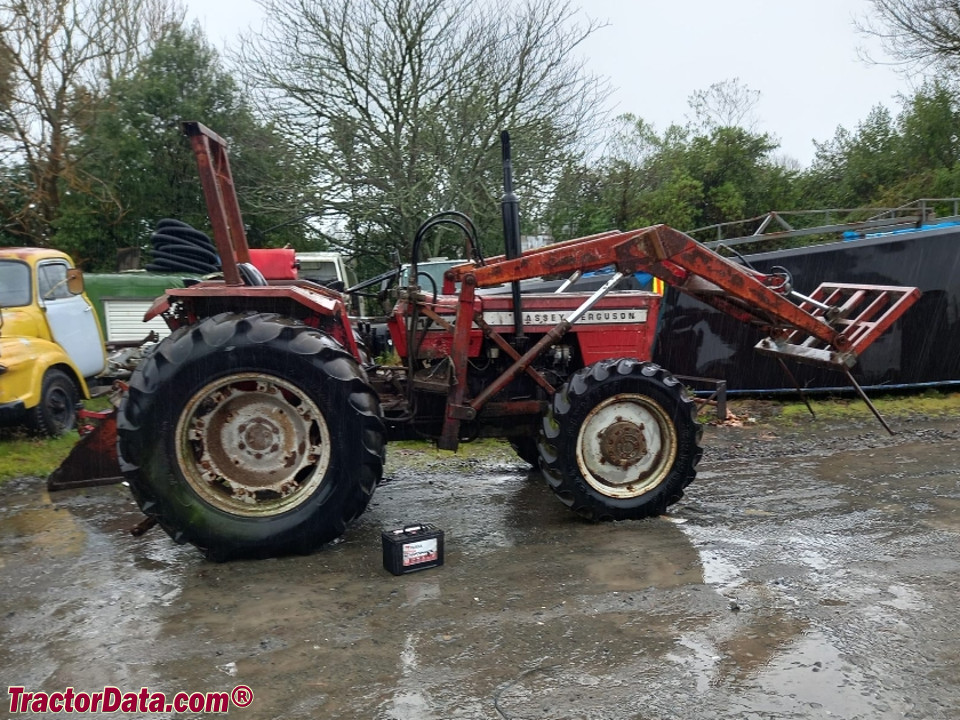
259, 426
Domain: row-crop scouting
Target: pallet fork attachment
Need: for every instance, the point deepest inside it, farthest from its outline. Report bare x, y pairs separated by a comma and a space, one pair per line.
862, 312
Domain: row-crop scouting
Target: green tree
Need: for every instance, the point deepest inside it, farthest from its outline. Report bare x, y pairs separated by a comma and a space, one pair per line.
852, 168
734, 168
676, 202
138, 168
887, 161
55, 58
578, 206
929, 128
683, 177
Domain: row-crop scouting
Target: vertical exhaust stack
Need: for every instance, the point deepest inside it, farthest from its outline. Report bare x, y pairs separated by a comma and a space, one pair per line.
510, 210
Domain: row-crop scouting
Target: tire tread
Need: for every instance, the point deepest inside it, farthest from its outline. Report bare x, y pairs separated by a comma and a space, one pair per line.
558, 458
180, 354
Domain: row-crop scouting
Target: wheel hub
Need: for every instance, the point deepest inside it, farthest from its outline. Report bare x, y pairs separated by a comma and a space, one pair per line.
258, 437
622, 444
626, 446
253, 445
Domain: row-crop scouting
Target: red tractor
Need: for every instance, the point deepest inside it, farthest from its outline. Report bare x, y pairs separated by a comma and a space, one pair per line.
259, 426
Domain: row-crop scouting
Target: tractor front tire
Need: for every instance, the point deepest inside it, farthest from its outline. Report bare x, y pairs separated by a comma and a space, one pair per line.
251, 435
620, 441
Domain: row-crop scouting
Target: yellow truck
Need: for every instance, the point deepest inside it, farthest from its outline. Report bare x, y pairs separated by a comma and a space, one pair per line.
51, 342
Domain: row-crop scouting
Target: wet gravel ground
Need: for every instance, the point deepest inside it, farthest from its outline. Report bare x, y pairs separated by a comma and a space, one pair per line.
811, 572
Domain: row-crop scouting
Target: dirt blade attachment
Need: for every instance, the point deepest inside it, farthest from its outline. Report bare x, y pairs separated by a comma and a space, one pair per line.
93, 460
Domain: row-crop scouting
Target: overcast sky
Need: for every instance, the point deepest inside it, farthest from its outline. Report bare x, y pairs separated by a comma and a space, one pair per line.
803, 56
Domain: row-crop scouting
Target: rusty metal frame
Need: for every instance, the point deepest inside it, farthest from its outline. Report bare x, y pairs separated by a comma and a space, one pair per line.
687, 265
860, 313
459, 355
221, 197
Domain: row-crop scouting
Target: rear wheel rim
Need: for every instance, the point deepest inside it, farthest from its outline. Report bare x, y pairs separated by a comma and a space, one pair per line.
626, 446
253, 445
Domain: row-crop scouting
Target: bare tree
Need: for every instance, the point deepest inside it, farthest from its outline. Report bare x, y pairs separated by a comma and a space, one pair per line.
729, 103
402, 103
6, 75
918, 32
56, 57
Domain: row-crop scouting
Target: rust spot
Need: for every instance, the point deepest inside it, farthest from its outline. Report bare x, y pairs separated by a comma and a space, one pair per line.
623, 444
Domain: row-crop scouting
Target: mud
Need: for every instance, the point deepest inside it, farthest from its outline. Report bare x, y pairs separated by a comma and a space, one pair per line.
811, 572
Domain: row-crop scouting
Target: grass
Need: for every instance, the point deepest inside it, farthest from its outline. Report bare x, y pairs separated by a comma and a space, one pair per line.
932, 403
22, 454
420, 454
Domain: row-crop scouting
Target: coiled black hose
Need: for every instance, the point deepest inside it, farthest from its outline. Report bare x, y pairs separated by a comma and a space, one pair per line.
179, 247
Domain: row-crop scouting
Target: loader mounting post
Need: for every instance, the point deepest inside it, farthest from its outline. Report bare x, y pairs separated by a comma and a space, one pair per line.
221, 197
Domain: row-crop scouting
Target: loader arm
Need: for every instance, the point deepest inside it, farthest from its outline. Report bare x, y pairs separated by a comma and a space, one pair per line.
832, 327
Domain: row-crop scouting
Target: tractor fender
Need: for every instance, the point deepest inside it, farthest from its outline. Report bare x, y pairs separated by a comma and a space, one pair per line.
26, 359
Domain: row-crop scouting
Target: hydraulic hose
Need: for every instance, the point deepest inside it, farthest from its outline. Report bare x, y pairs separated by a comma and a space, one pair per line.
179, 247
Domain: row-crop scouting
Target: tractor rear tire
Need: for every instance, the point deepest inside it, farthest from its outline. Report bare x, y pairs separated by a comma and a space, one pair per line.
56, 413
251, 435
620, 441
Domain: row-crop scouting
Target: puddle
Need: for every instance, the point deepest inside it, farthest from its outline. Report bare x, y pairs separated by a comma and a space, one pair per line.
812, 585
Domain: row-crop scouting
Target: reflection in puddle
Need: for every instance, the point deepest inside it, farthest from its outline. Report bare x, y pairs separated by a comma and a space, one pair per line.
417, 592
699, 657
736, 650
45, 528
772, 655
778, 667
756, 645
904, 598
646, 554
811, 674
409, 702
719, 570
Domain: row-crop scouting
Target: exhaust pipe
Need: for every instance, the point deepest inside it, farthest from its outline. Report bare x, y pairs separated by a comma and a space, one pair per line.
510, 211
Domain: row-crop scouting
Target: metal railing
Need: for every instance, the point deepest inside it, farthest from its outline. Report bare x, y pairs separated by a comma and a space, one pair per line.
780, 225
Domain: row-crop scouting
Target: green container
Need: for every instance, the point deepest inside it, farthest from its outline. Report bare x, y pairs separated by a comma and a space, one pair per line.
113, 293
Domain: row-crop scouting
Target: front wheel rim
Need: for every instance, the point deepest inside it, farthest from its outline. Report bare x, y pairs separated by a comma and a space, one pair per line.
253, 445
626, 446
